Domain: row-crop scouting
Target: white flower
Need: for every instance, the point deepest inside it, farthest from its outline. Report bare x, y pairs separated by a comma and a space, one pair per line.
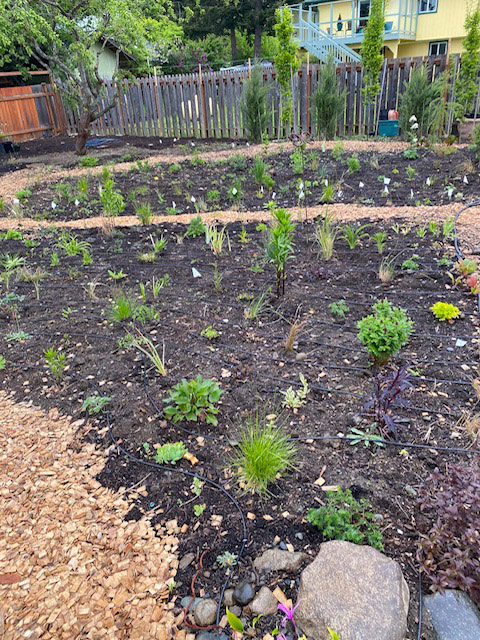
54, 205
414, 125
192, 143
361, 185
76, 203
192, 199
174, 206
234, 191
412, 119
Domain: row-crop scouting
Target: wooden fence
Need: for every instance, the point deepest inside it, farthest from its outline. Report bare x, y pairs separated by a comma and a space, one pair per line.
208, 105
30, 112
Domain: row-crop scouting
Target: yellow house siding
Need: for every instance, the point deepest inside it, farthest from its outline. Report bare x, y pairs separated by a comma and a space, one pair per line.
446, 23
412, 49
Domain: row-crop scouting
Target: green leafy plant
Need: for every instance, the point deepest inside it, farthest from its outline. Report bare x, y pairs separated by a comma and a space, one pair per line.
466, 81
56, 362
339, 309
264, 452
17, 336
71, 244
112, 200
354, 235
328, 193
380, 239
193, 400
123, 307
344, 518
410, 265
411, 172
325, 234
196, 228
146, 346
294, 399
95, 404
88, 161
227, 561
371, 51
444, 311
3, 363
117, 275
253, 105
170, 453
235, 623
385, 331
280, 245
353, 164
210, 333
144, 213
286, 61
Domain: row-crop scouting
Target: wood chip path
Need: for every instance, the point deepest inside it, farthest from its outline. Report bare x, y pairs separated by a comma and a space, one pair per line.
71, 567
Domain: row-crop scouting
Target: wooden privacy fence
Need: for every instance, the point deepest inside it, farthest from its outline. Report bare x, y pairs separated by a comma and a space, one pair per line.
208, 105
30, 112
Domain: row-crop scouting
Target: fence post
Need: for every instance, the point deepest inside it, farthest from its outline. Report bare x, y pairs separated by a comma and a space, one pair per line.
309, 90
120, 107
204, 105
49, 109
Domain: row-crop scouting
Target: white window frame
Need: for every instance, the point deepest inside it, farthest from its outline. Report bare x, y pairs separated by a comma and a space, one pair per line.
427, 10
438, 43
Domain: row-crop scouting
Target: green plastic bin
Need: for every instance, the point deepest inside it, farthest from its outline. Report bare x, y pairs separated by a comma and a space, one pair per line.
388, 128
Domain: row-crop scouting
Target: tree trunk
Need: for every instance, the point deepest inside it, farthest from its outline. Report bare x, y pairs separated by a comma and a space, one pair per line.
233, 44
257, 45
83, 133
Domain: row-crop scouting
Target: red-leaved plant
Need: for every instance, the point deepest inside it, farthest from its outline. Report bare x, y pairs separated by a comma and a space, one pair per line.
448, 550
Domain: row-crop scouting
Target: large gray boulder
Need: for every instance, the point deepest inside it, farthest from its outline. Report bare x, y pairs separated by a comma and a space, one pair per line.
454, 616
354, 590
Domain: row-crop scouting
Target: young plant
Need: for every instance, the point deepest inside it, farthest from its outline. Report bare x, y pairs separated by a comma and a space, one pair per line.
410, 265
385, 331
123, 308
339, 309
71, 244
386, 396
327, 101
344, 518
196, 228
325, 235
380, 239
88, 161
146, 346
95, 404
117, 275
56, 362
264, 452
444, 311
258, 306
295, 329
411, 172
386, 270
170, 453
328, 193
194, 400
216, 237
296, 399
144, 213
112, 200
354, 235
280, 245
353, 164
35, 277
210, 333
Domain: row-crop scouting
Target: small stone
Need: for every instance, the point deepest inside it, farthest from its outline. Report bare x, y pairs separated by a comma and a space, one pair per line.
299, 535
187, 559
278, 560
184, 602
243, 593
264, 603
282, 545
209, 635
206, 612
454, 616
228, 597
236, 610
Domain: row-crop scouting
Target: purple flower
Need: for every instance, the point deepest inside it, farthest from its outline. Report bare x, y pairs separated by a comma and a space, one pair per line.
289, 613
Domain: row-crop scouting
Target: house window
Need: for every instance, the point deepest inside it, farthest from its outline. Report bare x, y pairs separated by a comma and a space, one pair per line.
438, 48
364, 8
427, 6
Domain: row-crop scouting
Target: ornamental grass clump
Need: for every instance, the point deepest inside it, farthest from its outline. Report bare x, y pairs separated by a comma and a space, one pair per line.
264, 452
385, 331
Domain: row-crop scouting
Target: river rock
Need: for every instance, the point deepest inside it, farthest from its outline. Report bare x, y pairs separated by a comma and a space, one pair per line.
187, 559
206, 612
278, 560
264, 603
454, 616
228, 597
243, 593
356, 591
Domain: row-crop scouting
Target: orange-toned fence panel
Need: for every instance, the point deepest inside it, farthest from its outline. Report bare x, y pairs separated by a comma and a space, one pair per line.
30, 112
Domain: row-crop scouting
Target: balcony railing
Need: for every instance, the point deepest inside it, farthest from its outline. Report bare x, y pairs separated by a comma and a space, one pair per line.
399, 24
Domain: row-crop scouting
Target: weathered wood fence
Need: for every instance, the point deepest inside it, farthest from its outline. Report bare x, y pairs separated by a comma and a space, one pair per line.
30, 112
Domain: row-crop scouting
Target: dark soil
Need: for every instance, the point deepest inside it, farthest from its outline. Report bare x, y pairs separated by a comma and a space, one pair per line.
251, 364
232, 184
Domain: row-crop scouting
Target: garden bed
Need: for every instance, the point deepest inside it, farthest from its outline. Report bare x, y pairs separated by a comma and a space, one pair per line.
379, 179
249, 360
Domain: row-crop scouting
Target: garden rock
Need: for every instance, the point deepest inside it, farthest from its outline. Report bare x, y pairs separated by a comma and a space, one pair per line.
210, 635
228, 597
356, 591
186, 560
264, 603
206, 612
278, 560
243, 593
454, 616
185, 601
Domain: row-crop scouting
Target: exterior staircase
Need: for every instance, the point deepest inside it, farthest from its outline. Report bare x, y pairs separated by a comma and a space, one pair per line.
320, 44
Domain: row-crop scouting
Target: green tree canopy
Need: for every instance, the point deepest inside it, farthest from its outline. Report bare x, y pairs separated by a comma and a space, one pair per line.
61, 35
371, 50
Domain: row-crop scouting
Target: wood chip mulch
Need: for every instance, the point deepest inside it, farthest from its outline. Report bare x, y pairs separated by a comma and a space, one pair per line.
70, 565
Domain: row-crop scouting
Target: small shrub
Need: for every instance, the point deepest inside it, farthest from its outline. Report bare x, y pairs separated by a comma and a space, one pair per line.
253, 105
112, 200
280, 245
386, 396
385, 331
327, 101
193, 400
449, 526
445, 311
174, 168
353, 164
264, 452
344, 518
56, 362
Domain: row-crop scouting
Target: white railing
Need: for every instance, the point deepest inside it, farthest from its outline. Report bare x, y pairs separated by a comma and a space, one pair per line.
321, 44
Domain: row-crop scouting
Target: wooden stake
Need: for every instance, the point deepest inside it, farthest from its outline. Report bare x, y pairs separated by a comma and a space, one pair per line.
204, 105
309, 90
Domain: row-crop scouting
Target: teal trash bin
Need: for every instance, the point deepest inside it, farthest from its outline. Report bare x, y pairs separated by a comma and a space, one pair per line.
388, 128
